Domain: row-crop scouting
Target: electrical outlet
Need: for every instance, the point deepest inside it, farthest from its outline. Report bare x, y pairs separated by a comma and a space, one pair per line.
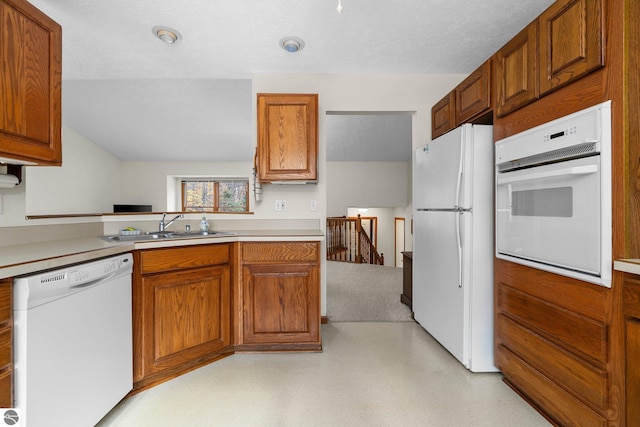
281, 205
313, 205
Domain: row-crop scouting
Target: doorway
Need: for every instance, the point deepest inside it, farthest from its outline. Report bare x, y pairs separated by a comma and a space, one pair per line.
399, 246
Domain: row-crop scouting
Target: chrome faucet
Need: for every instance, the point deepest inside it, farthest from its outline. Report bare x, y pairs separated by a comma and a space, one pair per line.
163, 225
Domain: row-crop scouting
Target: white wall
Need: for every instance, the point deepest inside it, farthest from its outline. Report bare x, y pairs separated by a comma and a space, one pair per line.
147, 182
375, 184
87, 182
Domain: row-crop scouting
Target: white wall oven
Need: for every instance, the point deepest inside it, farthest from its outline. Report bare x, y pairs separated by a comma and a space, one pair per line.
553, 196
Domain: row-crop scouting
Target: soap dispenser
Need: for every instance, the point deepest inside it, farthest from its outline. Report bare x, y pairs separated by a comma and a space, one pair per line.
204, 224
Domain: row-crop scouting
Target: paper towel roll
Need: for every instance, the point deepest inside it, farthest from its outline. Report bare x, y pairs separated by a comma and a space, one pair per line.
8, 181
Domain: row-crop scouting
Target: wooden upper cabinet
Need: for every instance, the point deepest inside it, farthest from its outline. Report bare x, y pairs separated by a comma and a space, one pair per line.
571, 42
30, 85
517, 71
473, 95
468, 101
287, 137
443, 115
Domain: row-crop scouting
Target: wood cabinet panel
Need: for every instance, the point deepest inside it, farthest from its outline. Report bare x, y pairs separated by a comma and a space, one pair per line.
191, 315
281, 304
562, 407
581, 379
287, 137
279, 252
632, 358
631, 295
571, 42
473, 94
168, 259
6, 387
30, 84
575, 333
6, 350
6, 306
517, 71
631, 310
443, 115
573, 295
279, 296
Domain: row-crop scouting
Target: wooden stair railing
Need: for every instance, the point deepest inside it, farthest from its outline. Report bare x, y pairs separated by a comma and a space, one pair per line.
347, 241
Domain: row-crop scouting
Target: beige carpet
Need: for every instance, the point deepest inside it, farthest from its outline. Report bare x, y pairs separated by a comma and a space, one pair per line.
364, 293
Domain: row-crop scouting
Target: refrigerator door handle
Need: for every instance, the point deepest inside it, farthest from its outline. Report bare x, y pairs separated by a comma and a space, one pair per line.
456, 203
459, 247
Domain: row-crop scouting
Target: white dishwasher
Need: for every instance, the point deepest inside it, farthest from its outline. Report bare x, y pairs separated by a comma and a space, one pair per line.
73, 343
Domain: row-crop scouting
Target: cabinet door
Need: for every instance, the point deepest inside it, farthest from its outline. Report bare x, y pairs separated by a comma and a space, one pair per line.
186, 315
281, 304
443, 115
30, 84
517, 71
473, 95
571, 42
287, 137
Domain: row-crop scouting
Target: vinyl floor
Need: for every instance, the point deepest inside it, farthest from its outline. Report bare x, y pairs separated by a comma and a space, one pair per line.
369, 374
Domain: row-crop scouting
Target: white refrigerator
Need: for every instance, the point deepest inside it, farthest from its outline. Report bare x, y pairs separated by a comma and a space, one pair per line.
453, 243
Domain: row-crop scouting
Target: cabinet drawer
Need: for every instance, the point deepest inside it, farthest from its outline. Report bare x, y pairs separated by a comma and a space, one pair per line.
5, 301
5, 348
167, 259
561, 406
6, 389
280, 252
575, 333
584, 381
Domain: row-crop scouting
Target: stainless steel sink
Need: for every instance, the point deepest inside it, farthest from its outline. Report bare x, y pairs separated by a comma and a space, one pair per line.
193, 234
163, 235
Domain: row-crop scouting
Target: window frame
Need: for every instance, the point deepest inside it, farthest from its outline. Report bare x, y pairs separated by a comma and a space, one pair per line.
216, 193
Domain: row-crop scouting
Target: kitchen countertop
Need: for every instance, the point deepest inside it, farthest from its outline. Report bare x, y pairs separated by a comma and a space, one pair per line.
17, 260
627, 265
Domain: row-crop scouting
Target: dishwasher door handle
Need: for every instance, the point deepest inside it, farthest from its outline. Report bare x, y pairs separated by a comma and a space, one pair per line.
92, 282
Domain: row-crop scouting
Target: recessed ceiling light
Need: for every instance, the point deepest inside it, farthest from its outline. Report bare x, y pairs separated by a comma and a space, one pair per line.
292, 44
166, 34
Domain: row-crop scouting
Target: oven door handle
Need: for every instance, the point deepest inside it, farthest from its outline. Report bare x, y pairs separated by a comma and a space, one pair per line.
576, 170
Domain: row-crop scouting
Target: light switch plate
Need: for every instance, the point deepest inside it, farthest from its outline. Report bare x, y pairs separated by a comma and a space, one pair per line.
313, 205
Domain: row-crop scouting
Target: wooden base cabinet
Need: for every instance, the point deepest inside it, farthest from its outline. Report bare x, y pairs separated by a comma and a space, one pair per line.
631, 310
182, 310
552, 343
280, 307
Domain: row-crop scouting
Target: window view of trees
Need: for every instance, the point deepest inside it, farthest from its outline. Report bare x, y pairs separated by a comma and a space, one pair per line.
215, 195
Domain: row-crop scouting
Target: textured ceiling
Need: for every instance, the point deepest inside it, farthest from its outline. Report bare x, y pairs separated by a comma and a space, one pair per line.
111, 58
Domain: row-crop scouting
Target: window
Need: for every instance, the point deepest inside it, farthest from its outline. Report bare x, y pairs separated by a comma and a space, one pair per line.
215, 195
